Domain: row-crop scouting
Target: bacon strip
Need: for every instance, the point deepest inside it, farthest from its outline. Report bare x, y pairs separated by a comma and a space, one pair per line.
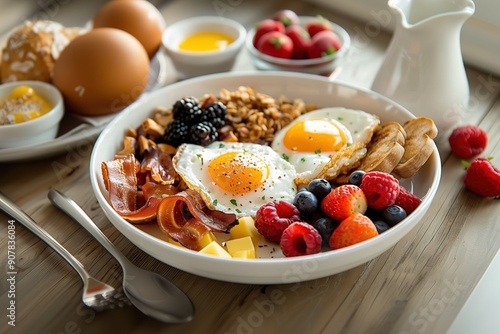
159, 164
185, 218
153, 194
119, 176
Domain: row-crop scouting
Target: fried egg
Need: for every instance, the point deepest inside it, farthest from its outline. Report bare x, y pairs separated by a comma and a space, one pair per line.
323, 142
235, 177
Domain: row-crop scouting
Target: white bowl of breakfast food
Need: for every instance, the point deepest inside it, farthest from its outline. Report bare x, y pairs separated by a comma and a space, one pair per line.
199, 177
203, 45
307, 44
30, 113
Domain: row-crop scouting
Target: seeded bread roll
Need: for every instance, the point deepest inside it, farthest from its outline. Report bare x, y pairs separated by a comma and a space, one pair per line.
419, 145
32, 48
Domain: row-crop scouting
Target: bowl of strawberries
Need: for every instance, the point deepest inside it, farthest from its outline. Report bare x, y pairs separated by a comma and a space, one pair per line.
288, 42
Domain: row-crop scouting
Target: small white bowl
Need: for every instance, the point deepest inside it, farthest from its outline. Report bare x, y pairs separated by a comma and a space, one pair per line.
196, 63
321, 66
38, 130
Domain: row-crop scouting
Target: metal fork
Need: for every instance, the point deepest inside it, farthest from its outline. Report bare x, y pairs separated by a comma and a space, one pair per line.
96, 294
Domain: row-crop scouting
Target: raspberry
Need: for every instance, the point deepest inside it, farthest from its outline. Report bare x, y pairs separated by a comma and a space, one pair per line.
381, 189
274, 217
343, 201
352, 230
468, 141
483, 178
407, 200
300, 239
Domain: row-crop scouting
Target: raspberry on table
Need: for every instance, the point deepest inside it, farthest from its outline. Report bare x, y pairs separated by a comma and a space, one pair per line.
381, 189
408, 201
483, 178
352, 230
343, 201
273, 218
300, 239
468, 141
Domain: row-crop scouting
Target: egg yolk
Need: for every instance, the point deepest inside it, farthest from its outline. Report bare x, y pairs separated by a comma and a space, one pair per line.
238, 172
314, 135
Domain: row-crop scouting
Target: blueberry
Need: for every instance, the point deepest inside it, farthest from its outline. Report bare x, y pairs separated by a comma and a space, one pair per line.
306, 202
356, 177
325, 227
373, 214
393, 214
381, 226
320, 188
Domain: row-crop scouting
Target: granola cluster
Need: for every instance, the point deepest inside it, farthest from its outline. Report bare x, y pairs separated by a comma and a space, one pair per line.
257, 117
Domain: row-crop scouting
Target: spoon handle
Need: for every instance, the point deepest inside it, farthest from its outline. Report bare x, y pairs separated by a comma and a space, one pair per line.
68, 206
23, 218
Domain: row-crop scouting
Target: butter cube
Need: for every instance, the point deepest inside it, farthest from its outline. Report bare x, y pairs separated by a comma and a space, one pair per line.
174, 242
241, 248
214, 248
246, 228
207, 239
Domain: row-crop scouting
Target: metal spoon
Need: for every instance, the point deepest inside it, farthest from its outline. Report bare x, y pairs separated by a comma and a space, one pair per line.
151, 293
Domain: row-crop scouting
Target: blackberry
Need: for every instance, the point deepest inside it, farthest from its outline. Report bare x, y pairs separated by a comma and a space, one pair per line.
215, 113
176, 133
187, 110
203, 133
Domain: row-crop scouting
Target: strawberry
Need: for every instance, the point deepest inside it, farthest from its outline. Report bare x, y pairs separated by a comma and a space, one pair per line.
343, 201
407, 200
482, 178
275, 44
265, 26
468, 141
300, 239
301, 41
287, 17
323, 44
317, 25
352, 230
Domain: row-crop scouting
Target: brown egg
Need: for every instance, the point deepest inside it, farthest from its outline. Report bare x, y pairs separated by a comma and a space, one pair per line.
101, 71
139, 18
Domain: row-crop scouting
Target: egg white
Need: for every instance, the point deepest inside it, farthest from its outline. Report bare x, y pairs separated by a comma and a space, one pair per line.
191, 163
358, 127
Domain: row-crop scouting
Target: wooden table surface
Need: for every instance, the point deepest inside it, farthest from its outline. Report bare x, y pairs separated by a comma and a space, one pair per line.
418, 286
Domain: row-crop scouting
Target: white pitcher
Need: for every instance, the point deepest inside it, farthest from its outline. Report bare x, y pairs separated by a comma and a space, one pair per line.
423, 68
